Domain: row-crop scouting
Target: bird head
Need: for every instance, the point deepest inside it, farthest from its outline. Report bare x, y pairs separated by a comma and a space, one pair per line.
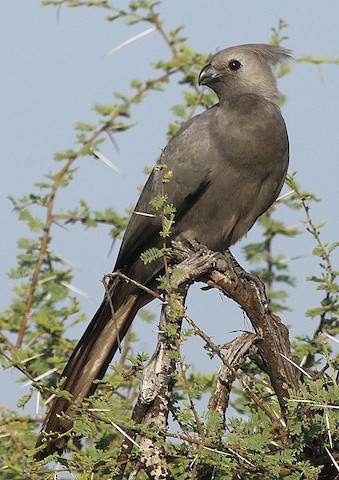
244, 69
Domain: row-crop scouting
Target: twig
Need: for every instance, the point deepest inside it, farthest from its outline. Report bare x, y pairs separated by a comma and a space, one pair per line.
222, 357
109, 298
188, 388
130, 280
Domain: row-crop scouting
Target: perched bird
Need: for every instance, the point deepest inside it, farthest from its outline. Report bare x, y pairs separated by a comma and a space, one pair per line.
228, 166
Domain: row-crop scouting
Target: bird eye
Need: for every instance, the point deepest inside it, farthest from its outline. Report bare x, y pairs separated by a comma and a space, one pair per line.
234, 65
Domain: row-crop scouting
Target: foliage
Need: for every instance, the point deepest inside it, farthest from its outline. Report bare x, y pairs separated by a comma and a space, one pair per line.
34, 327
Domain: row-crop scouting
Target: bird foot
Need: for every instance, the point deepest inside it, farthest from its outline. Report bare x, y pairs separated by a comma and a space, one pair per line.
252, 278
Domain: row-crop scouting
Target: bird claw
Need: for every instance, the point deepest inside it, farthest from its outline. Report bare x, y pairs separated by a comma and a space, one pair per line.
261, 290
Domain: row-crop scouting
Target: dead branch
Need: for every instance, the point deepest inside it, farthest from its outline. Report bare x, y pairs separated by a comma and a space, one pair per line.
220, 270
237, 352
152, 407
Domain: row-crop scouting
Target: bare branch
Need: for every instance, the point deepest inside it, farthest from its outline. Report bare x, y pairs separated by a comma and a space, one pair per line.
237, 352
156, 387
221, 270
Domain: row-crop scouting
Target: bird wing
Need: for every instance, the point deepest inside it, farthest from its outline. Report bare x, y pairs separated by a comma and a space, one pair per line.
190, 178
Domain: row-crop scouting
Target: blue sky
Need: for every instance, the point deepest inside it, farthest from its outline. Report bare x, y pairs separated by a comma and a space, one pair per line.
54, 68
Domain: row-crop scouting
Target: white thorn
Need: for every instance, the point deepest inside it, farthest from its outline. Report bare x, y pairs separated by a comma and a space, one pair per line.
132, 39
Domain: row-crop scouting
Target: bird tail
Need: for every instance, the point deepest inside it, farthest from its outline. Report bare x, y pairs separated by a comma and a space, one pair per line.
88, 363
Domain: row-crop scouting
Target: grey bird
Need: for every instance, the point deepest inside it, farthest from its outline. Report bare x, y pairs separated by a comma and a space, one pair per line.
229, 164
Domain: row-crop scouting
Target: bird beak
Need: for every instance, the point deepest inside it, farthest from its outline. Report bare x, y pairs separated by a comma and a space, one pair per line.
208, 75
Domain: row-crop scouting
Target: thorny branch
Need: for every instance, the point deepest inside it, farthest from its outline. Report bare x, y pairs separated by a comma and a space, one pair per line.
237, 351
153, 405
220, 270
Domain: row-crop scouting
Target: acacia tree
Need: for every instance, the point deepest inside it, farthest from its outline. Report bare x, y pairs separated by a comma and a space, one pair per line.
287, 419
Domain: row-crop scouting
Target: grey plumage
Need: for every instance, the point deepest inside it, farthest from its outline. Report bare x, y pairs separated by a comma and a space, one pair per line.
228, 164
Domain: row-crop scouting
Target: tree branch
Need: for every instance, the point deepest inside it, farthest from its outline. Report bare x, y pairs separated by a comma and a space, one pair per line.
152, 407
221, 270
